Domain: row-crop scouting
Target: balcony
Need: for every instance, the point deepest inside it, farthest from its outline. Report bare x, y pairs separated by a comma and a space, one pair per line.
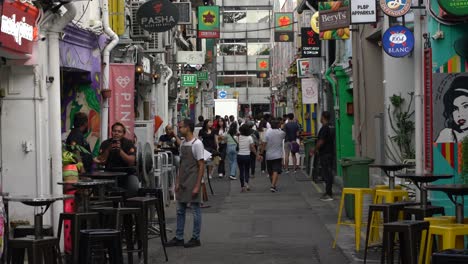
238, 63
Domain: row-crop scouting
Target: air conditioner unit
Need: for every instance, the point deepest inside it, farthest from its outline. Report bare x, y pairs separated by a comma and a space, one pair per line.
155, 43
144, 131
192, 28
135, 30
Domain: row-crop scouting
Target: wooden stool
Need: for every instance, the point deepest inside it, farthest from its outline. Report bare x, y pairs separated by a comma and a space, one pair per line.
358, 204
452, 237
40, 250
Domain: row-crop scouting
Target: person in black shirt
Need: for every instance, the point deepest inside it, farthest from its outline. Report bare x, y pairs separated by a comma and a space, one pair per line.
291, 128
76, 137
324, 149
171, 142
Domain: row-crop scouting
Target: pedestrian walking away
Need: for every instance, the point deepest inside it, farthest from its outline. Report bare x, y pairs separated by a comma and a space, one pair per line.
231, 150
261, 132
222, 140
291, 147
324, 151
188, 185
246, 146
274, 152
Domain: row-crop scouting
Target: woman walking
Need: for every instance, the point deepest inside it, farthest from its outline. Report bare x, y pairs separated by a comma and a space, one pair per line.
231, 150
246, 146
222, 131
210, 140
261, 131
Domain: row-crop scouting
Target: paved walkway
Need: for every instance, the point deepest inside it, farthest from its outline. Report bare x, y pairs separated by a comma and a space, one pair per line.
291, 226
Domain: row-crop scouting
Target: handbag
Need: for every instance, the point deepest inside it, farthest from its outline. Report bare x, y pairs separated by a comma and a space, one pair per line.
237, 143
294, 147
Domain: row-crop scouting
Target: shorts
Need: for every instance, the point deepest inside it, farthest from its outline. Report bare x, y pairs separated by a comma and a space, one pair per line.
275, 165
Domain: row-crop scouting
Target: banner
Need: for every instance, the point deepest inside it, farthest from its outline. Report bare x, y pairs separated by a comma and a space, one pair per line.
121, 104
310, 41
208, 22
334, 20
284, 30
309, 88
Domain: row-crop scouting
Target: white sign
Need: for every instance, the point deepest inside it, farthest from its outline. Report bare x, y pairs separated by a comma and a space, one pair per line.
309, 87
191, 57
308, 66
146, 63
18, 29
363, 11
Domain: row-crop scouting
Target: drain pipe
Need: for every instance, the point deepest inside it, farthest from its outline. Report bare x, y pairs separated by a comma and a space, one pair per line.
166, 94
55, 137
105, 69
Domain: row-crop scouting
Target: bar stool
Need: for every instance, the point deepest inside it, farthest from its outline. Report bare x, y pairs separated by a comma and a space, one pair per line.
28, 230
450, 256
94, 244
358, 203
409, 233
451, 236
390, 196
158, 194
40, 250
421, 212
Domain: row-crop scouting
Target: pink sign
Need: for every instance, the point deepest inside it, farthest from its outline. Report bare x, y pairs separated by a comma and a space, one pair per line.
121, 104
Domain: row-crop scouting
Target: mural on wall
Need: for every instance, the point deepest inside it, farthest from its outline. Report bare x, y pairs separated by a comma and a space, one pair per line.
450, 112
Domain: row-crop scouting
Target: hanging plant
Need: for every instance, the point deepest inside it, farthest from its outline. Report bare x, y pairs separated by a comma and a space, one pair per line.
402, 125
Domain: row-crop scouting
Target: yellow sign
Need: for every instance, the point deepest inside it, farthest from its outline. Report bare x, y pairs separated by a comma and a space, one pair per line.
314, 23
117, 16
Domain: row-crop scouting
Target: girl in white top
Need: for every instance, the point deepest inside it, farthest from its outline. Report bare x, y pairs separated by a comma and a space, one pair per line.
246, 145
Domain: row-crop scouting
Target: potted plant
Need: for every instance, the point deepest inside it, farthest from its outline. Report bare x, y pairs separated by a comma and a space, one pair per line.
71, 161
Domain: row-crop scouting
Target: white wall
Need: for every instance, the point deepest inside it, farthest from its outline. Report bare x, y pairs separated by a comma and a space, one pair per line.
254, 95
238, 63
239, 3
237, 28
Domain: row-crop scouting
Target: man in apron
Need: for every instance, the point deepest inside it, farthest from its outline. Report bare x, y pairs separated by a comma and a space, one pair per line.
188, 185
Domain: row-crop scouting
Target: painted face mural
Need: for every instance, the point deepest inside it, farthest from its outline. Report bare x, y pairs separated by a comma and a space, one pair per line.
450, 107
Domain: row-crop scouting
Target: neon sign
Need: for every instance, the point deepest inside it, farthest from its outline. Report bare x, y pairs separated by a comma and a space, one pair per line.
18, 29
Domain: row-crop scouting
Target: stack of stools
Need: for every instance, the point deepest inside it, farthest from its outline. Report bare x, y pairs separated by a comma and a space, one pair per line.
420, 213
450, 256
451, 235
410, 233
100, 246
40, 250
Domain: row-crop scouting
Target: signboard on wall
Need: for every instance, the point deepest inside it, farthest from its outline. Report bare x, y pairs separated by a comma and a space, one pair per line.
18, 29
363, 11
208, 22
284, 30
310, 41
334, 20
398, 41
309, 87
157, 16
455, 7
190, 57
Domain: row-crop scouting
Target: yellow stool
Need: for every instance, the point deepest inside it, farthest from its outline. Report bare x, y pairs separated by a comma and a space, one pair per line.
452, 237
390, 196
385, 187
358, 204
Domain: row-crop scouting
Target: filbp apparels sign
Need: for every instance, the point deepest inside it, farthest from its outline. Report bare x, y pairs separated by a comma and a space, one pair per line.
157, 16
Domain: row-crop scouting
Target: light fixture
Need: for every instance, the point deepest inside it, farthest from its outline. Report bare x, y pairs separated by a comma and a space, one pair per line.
139, 69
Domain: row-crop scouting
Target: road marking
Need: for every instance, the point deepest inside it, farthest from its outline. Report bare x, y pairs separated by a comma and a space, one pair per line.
317, 188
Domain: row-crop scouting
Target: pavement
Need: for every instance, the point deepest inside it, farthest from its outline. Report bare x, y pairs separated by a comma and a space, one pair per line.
290, 226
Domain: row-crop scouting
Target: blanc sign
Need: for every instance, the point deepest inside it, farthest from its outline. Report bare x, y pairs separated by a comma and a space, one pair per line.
398, 41
157, 16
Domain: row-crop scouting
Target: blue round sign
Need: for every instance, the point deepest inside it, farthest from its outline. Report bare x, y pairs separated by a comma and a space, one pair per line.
222, 94
398, 41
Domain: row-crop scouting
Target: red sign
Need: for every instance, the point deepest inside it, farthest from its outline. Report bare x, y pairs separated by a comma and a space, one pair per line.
18, 26
121, 104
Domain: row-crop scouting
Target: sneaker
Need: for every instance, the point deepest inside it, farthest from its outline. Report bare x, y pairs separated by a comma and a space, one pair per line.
175, 243
247, 187
273, 189
192, 243
263, 171
232, 177
243, 189
326, 198
220, 175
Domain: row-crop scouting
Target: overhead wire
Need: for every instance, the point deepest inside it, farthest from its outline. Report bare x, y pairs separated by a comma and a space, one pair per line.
250, 30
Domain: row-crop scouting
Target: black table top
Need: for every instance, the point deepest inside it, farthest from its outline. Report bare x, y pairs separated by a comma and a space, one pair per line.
87, 184
391, 167
37, 200
450, 189
423, 177
104, 174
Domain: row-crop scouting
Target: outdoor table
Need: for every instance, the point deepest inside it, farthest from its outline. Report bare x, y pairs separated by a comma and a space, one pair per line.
104, 175
421, 181
389, 170
453, 191
84, 186
37, 201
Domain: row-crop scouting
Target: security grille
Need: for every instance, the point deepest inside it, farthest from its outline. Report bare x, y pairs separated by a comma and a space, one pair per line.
185, 13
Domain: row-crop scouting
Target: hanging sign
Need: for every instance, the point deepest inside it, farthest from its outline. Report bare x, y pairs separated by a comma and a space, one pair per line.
202, 76
157, 16
189, 80
263, 64
398, 41
208, 22
395, 8
314, 23
309, 87
334, 20
310, 43
455, 7
18, 26
284, 30
363, 11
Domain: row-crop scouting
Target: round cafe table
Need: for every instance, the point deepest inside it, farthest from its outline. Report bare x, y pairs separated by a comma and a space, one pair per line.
83, 188
454, 192
390, 170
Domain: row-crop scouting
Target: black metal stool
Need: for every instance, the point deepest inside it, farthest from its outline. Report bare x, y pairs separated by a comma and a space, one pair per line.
119, 218
95, 244
44, 250
450, 256
390, 214
409, 233
78, 221
28, 230
158, 194
421, 212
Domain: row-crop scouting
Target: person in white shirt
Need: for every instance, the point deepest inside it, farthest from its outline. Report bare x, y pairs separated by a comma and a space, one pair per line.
246, 145
273, 146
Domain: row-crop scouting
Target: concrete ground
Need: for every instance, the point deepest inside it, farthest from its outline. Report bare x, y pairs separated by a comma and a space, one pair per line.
291, 226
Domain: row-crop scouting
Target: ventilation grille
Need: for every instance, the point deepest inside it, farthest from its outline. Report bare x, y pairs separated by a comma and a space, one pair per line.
136, 30
155, 43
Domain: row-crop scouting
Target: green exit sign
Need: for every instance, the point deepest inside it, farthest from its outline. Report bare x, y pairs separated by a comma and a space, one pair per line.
222, 87
189, 80
202, 76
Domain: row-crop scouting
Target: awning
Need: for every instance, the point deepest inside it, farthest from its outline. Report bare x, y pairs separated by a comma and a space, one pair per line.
303, 6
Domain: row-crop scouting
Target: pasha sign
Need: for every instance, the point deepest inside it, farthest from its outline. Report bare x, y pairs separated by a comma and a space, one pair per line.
157, 16
398, 41
18, 26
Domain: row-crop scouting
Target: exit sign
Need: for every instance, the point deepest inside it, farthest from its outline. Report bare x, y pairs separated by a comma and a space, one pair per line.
189, 80
202, 76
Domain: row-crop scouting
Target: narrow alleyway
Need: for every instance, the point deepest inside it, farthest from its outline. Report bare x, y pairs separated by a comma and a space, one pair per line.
259, 226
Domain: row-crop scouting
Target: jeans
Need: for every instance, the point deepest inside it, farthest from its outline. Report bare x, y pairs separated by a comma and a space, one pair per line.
232, 157
253, 159
222, 153
244, 168
326, 172
181, 208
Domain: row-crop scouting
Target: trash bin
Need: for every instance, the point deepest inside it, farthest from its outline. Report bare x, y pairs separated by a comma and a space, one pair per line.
355, 175
309, 143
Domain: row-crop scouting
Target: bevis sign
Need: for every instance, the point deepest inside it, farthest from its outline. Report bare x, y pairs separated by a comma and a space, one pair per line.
157, 16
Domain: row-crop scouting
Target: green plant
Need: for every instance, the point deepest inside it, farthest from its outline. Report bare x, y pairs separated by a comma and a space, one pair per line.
464, 161
402, 125
71, 154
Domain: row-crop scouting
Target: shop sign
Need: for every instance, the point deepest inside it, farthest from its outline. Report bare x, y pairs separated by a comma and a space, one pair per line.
263, 75
398, 41
395, 8
455, 7
202, 76
284, 30
222, 87
157, 16
311, 46
208, 22
189, 80
222, 94
190, 57
363, 11
263, 64
308, 67
314, 23
18, 26
334, 20
309, 87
